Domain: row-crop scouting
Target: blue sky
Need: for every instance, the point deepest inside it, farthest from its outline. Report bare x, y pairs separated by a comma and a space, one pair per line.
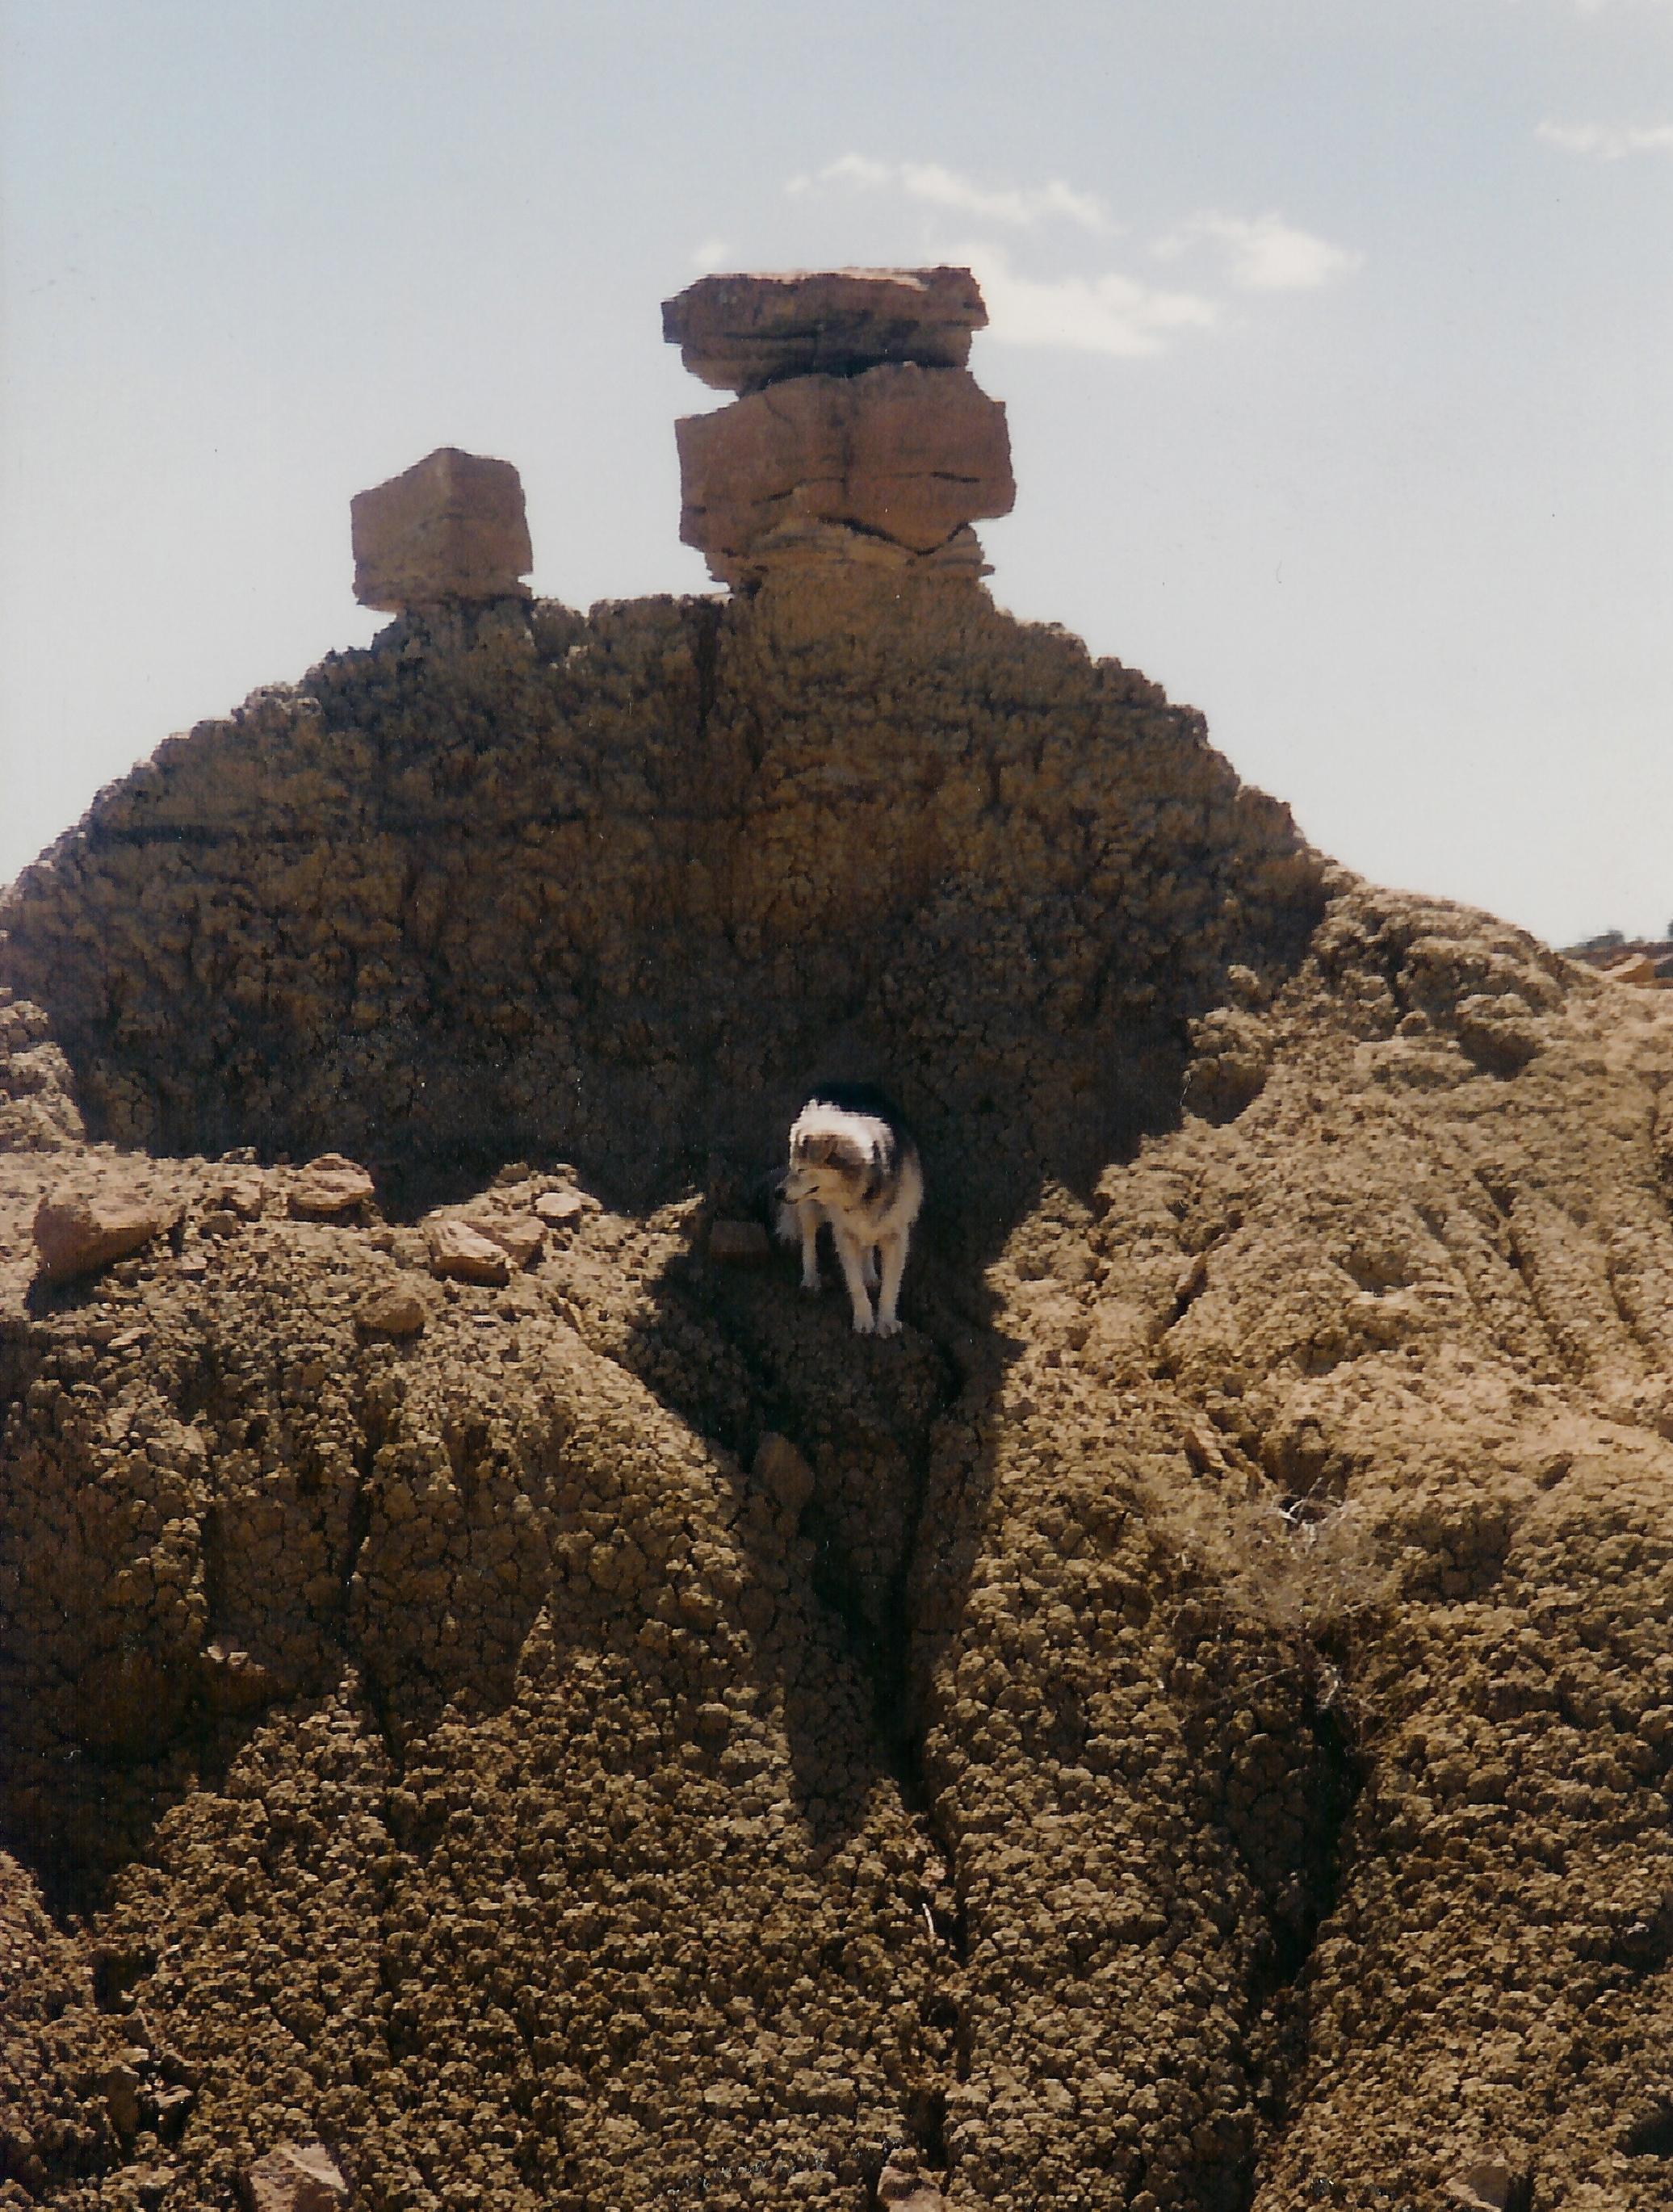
1334, 336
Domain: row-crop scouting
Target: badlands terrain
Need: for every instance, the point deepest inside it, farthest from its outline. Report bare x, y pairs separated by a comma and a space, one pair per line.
535, 1715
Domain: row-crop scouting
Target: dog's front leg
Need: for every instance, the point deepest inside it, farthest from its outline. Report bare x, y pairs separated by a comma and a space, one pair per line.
809, 1215
854, 1274
893, 1250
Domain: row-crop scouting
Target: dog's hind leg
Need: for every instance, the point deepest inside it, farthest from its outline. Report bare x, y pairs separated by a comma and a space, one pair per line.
809, 1215
849, 1251
869, 1265
893, 1250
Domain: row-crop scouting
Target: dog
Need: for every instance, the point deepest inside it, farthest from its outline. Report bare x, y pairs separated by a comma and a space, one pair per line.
853, 1164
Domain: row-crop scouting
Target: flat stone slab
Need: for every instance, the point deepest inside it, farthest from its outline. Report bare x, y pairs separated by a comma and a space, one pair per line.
743, 333
452, 527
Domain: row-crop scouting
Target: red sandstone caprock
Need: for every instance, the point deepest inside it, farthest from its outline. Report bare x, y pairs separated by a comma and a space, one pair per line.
905, 454
450, 528
742, 334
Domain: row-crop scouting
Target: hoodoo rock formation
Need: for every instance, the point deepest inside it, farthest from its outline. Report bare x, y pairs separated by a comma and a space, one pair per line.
450, 529
503, 1708
862, 438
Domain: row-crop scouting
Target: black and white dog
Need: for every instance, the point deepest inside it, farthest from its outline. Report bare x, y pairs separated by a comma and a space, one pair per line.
853, 1164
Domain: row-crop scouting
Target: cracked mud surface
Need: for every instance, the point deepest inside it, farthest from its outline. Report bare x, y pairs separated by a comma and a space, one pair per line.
1192, 1726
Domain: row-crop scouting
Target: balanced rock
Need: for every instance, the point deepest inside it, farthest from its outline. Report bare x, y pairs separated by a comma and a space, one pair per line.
902, 455
452, 527
77, 1232
743, 333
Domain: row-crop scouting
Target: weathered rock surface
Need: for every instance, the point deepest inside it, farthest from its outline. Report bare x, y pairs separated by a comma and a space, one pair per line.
906, 455
628, 877
296, 2177
1188, 1725
1636, 967
451, 528
743, 333
37, 1111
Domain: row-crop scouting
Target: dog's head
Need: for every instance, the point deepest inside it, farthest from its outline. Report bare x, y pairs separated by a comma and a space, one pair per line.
831, 1161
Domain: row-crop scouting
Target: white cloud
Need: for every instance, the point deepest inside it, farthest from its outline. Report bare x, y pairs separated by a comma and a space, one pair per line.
1266, 254
1610, 142
713, 253
1090, 314
1109, 313
1596, 7
941, 187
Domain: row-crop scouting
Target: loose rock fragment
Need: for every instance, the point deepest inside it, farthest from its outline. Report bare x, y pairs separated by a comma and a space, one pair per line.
330, 1185
563, 1208
739, 1243
452, 527
399, 1311
520, 1235
742, 334
77, 1232
459, 1250
296, 2177
243, 1195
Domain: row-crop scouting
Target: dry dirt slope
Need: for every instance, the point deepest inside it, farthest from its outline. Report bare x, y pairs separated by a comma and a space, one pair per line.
1190, 1725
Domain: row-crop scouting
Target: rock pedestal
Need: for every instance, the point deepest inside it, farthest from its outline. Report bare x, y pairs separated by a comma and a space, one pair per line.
861, 439
451, 528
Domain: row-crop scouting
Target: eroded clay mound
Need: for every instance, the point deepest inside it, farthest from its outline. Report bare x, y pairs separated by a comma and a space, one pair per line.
611, 889
1188, 1725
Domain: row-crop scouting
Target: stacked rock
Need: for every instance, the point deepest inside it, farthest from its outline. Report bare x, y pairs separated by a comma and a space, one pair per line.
450, 529
859, 436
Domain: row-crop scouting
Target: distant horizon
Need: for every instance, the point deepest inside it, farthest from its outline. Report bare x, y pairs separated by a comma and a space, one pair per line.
1332, 341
